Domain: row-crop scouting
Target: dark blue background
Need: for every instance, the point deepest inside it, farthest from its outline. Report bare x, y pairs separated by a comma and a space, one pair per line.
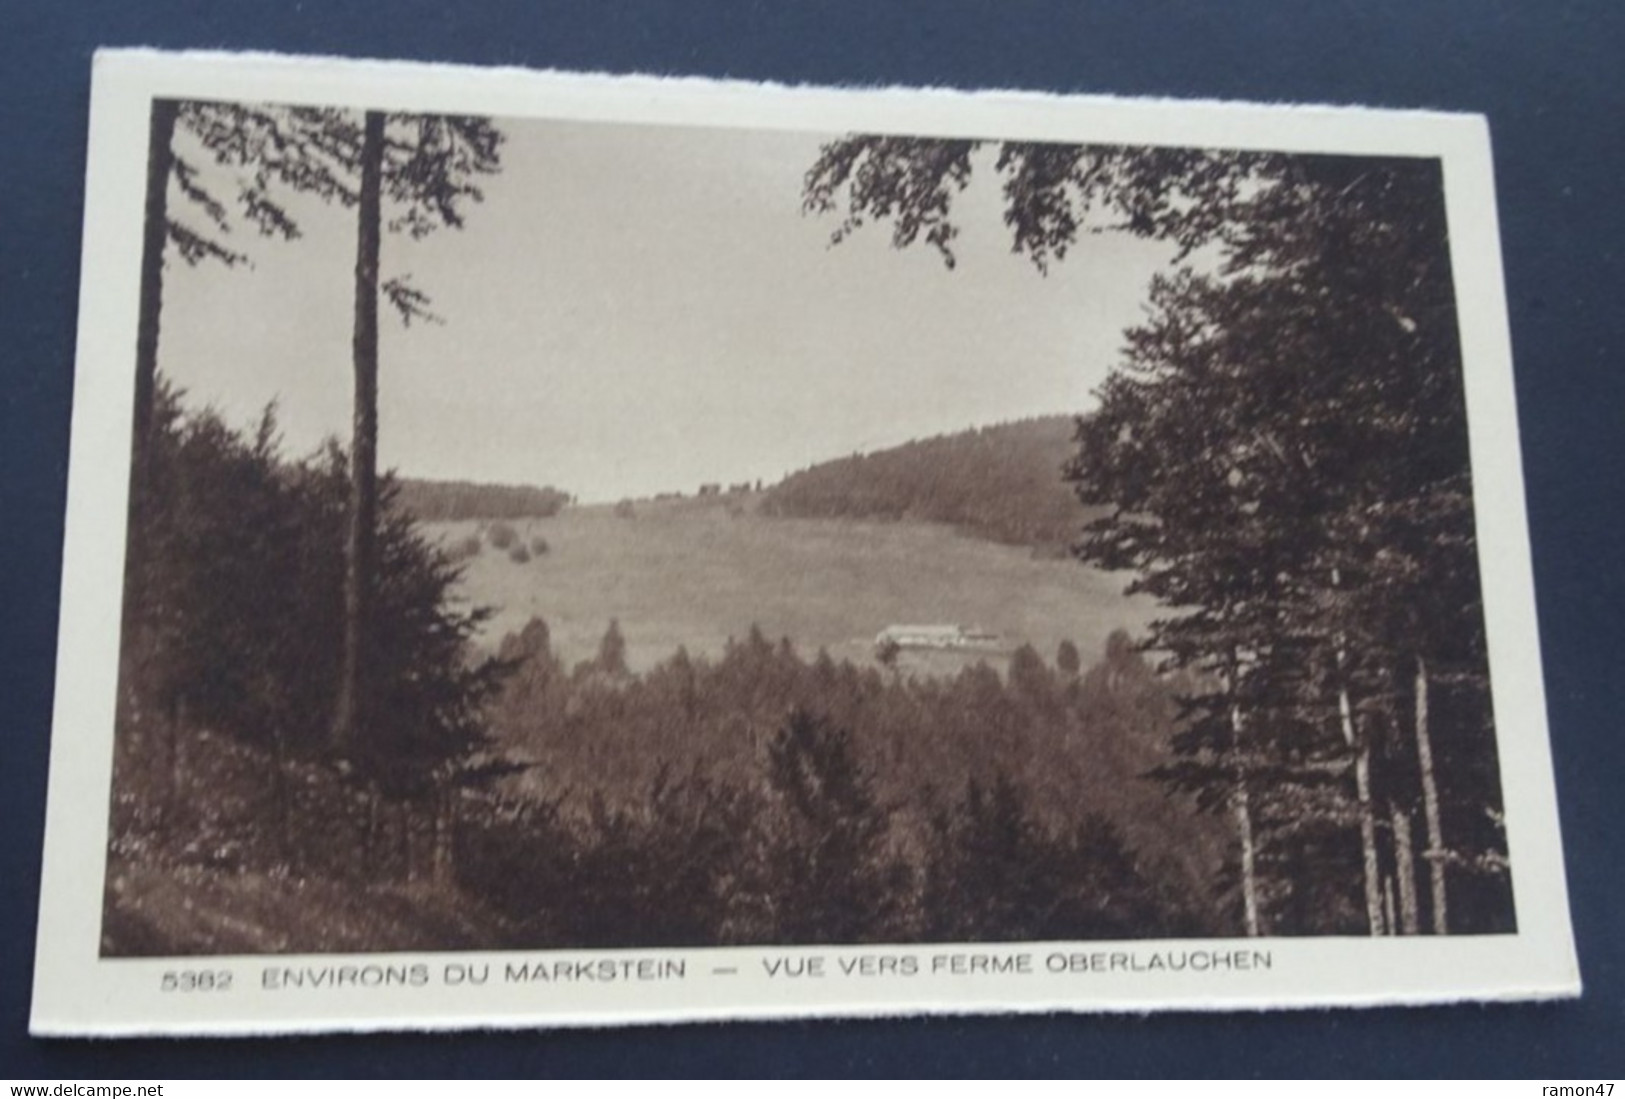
1547, 74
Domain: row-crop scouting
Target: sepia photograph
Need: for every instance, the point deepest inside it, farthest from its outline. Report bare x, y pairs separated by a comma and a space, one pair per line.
553, 532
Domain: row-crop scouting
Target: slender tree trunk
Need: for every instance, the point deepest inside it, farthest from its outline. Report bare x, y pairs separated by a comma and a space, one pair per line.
175, 763
1368, 818
1435, 854
155, 237
1241, 806
1410, 920
349, 720
1375, 922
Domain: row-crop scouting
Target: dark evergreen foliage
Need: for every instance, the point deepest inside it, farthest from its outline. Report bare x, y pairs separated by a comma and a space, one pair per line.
452, 501
1002, 483
994, 873
1283, 456
231, 630
826, 873
1285, 450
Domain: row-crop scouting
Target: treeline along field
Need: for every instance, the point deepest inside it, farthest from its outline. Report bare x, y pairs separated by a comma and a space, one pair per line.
1001, 483
442, 501
967, 528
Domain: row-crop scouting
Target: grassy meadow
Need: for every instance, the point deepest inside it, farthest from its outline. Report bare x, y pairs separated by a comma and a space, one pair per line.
695, 572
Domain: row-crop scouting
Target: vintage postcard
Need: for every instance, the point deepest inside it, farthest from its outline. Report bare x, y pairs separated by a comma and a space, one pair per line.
549, 549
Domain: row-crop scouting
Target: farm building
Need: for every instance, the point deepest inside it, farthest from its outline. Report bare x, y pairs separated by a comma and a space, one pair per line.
937, 637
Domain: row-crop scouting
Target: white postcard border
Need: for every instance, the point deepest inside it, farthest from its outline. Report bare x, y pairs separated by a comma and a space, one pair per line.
77, 992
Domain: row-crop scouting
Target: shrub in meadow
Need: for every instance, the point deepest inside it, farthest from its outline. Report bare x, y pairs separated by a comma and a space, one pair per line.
502, 535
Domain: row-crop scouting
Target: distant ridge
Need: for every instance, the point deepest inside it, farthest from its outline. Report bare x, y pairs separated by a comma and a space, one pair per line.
1001, 482
447, 501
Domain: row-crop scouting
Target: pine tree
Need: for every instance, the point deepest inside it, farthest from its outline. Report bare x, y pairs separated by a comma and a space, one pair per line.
826, 864
421, 168
612, 651
424, 168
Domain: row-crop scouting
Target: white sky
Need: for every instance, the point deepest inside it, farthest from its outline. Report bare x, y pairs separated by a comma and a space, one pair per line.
642, 309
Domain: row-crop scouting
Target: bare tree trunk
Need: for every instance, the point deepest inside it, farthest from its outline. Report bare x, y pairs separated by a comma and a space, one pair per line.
1368, 819
1375, 922
1435, 854
349, 722
155, 237
1240, 804
1241, 807
1410, 919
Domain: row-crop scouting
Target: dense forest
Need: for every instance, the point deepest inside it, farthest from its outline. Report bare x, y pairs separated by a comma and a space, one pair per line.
233, 600
451, 501
1065, 740
1001, 482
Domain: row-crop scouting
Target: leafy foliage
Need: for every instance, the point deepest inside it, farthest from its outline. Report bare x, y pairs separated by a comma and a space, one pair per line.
502, 535
910, 180
1053, 193
431, 168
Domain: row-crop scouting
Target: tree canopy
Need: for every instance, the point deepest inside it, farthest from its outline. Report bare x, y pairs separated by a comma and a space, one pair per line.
1283, 456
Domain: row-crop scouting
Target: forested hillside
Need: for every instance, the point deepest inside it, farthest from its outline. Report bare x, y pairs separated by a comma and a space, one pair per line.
1068, 744
447, 501
1002, 482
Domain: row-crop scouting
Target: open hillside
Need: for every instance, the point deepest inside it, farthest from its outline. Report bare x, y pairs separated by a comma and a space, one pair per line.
1001, 483
698, 572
